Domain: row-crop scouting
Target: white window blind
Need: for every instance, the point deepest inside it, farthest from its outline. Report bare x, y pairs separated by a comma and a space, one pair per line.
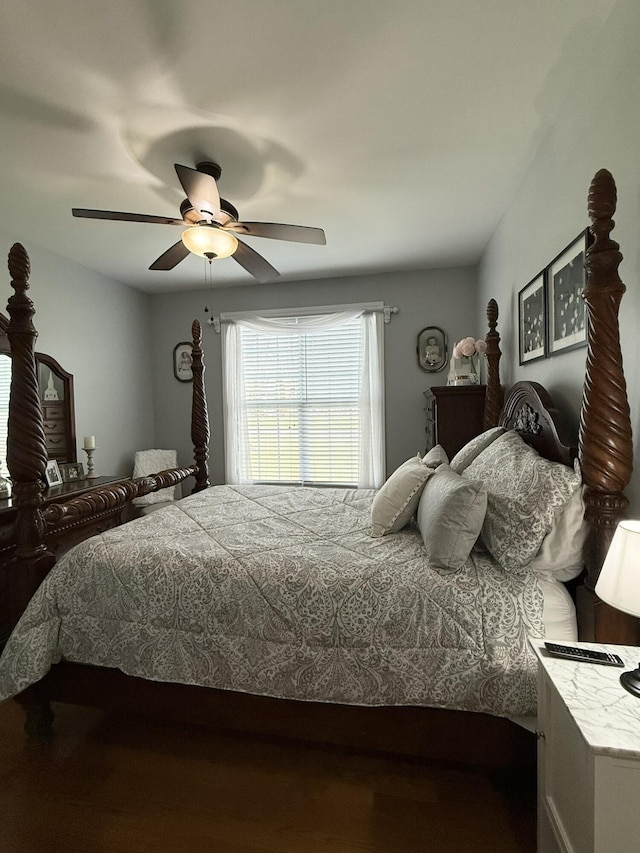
294, 393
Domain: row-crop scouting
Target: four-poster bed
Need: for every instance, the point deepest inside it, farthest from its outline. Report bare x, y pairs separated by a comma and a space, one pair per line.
605, 453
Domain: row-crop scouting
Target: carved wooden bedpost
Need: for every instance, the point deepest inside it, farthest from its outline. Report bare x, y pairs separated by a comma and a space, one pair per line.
199, 413
27, 455
494, 399
26, 460
605, 442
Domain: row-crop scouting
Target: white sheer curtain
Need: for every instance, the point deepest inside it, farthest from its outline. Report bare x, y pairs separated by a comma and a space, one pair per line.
371, 461
371, 391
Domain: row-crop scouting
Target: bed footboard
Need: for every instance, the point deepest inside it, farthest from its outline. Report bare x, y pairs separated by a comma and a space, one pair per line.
27, 456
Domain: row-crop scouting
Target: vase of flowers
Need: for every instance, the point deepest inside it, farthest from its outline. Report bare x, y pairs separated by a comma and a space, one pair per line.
466, 361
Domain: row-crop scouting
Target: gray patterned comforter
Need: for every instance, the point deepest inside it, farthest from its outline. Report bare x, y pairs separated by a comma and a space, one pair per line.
282, 591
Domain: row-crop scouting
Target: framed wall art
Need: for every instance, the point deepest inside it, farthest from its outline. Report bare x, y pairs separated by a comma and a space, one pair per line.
566, 308
532, 320
182, 361
432, 349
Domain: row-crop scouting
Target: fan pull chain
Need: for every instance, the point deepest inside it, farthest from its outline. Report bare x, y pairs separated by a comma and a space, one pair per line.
208, 273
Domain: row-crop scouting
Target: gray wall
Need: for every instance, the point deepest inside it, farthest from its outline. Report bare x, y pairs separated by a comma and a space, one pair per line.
598, 126
445, 298
99, 331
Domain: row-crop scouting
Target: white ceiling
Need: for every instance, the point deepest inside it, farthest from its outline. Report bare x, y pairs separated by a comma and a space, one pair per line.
401, 127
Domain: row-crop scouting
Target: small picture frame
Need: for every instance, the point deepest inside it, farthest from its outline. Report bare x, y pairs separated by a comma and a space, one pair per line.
432, 349
182, 361
52, 473
566, 308
71, 472
532, 320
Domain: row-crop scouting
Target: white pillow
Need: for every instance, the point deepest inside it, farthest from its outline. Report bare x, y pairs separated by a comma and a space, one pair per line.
152, 462
450, 515
473, 448
558, 612
561, 555
396, 502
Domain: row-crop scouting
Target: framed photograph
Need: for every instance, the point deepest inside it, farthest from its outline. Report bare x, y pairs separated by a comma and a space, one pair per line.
52, 473
432, 349
532, 320
71, 471
182, 361
566, 308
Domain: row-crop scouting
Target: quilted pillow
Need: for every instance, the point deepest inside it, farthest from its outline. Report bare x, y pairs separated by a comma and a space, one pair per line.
396, 502
436, 456
152, 462
524, 492
465, 456
450, 515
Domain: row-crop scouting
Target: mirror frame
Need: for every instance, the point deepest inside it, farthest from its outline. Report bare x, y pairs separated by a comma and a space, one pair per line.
66, 378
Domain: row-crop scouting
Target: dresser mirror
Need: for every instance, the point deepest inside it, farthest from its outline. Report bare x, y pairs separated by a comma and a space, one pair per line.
55, 386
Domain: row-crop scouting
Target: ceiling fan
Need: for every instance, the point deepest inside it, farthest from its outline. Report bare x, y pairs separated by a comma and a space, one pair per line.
211, 224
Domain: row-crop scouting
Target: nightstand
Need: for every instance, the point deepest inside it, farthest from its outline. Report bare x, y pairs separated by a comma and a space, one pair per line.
588, 755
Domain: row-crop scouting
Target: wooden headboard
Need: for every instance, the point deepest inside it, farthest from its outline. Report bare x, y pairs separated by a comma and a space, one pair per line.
530, 411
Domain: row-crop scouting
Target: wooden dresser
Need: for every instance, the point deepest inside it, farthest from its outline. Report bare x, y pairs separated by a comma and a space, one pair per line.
59, 440
455, 414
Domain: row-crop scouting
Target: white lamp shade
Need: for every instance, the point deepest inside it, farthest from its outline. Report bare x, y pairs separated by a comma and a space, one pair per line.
209, 241
619, 580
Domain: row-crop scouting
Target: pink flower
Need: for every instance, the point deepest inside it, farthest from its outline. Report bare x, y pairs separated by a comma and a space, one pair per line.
468, 347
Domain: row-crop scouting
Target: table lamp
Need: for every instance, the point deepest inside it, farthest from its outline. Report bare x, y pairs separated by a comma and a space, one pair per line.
619, 583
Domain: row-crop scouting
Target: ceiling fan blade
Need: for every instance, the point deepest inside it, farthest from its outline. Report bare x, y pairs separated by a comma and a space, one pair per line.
171, 258
125, 217
277, 231
254, 263
200, 189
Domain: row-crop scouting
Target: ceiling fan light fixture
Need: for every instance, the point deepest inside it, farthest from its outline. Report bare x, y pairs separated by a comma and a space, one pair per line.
209, 241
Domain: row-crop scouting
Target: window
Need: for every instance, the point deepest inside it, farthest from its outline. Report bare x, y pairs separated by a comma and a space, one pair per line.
303, 398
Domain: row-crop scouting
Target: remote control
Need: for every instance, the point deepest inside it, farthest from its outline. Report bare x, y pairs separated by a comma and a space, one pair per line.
583, 655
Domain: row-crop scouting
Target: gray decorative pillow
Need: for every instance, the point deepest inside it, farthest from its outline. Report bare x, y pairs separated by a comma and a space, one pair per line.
465, 456
524, 492
396, 502
450, 516
436, 456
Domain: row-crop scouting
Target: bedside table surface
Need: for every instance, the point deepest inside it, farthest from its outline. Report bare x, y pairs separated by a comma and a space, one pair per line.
607, 715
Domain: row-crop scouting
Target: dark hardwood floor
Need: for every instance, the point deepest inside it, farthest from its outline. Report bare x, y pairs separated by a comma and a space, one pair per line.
111, 785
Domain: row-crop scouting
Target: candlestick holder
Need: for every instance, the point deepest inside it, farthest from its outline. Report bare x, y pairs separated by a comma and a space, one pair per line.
91, 474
